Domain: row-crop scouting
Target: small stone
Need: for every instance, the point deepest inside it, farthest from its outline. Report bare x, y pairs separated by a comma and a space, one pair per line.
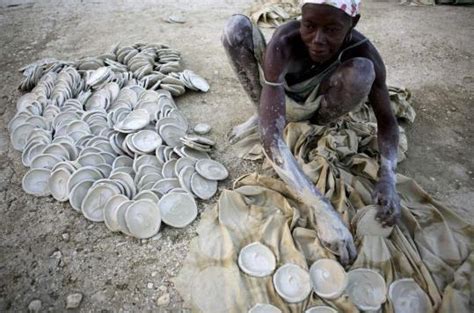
72, 279
156, 237
162, 288
99, 297
56, 254
176, 19
432, 178
149, 285
153, 274
34, 306
73, 300
163, 300
202, 129
90, 226
65, 237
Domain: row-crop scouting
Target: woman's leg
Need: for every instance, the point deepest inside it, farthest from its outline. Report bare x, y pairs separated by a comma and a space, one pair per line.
238, 42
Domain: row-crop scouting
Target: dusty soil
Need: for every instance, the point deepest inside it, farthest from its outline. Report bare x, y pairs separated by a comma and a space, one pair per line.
47, 251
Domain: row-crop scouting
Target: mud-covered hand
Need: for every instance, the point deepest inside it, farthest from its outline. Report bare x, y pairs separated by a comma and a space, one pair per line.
335, 236
386, 197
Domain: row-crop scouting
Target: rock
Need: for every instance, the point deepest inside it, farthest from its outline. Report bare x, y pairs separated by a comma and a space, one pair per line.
34, 306
65, 237
149, 285
73, 300
56, 255
163, 300
157, 237
162, 288
202, 129
3, 143
99, 297
176, 19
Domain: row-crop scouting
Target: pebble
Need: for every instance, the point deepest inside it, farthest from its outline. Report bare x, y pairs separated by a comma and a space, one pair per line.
149, 285
99, 297
56, 254
153, 274
34, 306
162, 288
65, 236
202, 129
176, 19
73, 300
3, 143
163, 300
156, 237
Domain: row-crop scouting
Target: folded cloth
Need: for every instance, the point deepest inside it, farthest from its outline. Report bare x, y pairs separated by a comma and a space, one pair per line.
273, 13
361, 123
432, 244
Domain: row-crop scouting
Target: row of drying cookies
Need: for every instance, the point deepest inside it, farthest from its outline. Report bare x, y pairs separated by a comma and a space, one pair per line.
366, 288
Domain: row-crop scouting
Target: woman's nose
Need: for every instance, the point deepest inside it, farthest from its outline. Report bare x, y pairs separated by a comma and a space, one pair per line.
319, 37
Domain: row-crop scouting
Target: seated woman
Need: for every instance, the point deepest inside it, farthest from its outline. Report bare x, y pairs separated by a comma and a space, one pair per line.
319, 68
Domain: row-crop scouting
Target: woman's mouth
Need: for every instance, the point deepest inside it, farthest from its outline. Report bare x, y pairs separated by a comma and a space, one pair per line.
318, 52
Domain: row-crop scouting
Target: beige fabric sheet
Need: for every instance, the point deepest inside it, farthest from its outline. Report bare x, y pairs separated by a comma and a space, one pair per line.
356, 126
432, 244
272, 13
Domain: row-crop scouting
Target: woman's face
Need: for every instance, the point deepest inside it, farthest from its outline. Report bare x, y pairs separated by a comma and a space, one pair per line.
323, 30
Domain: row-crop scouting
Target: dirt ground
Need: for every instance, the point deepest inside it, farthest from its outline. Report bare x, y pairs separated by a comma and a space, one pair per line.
48, 251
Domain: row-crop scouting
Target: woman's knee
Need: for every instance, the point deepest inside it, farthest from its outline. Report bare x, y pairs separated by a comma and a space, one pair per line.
357, 73
238, 32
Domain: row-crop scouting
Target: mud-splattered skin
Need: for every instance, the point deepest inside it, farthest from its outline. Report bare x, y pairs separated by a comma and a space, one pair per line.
297, 51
